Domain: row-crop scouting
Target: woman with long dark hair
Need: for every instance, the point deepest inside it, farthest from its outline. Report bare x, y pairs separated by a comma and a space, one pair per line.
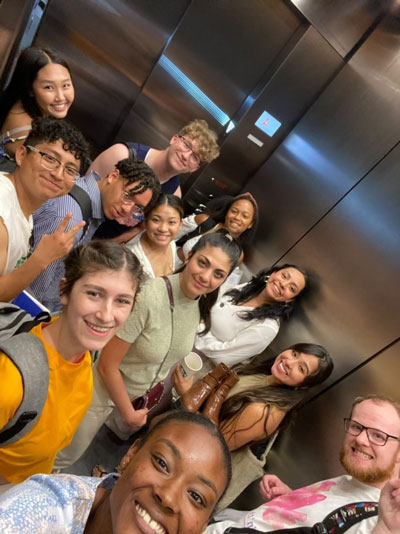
265, 395
155, 247
246, 318
40, 85
237, 215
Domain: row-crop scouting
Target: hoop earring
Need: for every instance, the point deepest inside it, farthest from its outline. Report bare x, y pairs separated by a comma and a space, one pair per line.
266, 278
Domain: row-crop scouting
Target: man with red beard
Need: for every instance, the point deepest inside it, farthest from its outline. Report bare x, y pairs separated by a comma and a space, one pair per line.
371, 458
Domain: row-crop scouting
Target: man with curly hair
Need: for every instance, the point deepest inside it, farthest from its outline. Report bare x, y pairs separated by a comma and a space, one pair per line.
128, 190
194, 145
48, 164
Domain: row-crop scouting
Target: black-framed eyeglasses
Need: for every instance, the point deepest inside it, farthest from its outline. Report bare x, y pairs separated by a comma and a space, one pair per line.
375, 436
187, 146
51, 163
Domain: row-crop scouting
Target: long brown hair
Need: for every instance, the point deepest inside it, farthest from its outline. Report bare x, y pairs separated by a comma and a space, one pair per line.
286, 398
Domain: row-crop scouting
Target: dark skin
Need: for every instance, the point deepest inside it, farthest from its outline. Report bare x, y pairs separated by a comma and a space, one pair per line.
175, 480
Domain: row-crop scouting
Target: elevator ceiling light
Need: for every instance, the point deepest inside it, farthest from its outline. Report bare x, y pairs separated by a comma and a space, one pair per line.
194, 91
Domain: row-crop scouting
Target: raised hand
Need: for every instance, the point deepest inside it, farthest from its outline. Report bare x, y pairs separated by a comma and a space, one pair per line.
389, 509
271, 486
57, 245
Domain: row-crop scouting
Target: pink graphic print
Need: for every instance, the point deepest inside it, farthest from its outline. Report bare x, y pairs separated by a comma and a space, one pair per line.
281, 512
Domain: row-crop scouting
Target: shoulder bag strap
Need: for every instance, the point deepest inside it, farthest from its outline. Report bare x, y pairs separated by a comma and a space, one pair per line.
172, 304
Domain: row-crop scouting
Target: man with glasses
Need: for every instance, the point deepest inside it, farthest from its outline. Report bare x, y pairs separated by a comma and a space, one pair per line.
371, 457
47, 166
128, 190
194, 145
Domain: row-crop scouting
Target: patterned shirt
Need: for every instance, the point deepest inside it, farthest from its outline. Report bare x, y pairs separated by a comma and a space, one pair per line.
46, 221
50, 504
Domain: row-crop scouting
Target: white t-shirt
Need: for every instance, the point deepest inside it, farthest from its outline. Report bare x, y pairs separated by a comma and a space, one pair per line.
19, 228
136, 247
232, 339
306, 506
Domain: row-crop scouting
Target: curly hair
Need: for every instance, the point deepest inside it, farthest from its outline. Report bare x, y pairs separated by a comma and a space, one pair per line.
50, 130
136, 170
206, 139
29, 63
277, 310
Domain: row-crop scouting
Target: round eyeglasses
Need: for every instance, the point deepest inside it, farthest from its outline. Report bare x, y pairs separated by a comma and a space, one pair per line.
51, 163
375, 436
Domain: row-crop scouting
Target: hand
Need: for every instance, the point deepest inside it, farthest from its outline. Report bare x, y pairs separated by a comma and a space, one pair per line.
182, 385
271, 486
136, 418
55, 246
128, 235
389, 508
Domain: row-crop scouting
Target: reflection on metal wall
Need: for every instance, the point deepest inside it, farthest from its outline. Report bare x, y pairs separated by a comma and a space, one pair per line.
14, 16
330, 198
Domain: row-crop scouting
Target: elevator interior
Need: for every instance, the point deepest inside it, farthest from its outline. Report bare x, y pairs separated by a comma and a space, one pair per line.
326, 181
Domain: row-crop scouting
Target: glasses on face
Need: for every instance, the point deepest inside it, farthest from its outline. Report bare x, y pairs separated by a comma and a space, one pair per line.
194, 158
127, 199
51, 163
375, 436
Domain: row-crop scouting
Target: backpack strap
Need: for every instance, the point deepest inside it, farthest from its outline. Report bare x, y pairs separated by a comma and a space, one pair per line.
336, 522
201, 229
28, 354
83, 199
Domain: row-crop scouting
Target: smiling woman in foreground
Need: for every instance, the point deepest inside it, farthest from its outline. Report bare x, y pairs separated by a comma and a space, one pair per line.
172, 479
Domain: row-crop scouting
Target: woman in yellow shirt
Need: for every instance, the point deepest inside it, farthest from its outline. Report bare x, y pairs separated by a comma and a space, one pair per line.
98, 292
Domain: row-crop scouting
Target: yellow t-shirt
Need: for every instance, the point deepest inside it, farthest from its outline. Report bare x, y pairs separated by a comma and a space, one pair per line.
69, 396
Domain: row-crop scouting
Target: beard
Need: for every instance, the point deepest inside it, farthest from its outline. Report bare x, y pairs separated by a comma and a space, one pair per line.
370, 475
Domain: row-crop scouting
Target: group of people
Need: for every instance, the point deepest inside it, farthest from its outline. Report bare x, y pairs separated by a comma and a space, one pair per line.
125, 273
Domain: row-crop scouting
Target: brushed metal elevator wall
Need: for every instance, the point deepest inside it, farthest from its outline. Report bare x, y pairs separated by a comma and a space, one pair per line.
327, 182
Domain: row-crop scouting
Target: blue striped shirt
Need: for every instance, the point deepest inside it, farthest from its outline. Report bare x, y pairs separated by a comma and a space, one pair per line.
46, 221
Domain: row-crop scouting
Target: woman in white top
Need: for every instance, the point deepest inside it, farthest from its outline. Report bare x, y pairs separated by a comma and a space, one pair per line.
155, 247
246, 318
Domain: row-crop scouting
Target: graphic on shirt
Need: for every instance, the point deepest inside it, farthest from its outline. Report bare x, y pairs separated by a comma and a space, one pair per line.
282, 511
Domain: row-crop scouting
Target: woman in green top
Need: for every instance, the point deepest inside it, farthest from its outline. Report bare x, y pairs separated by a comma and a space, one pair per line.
155, 337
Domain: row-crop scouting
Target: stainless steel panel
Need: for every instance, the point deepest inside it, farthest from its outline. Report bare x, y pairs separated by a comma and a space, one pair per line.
342, 23
346, 132
355, 253
288, 94
112, 47
14, 15
224, 48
